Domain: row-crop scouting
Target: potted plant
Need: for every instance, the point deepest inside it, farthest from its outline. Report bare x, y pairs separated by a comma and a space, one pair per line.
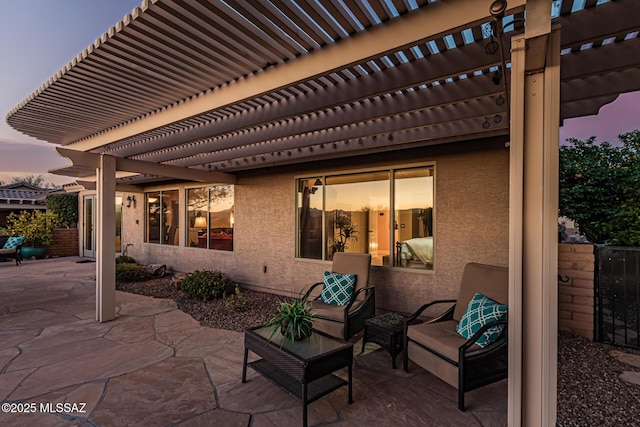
294, 320
37, 229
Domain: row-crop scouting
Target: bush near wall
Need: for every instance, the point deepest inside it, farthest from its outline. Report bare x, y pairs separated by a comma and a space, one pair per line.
65, 206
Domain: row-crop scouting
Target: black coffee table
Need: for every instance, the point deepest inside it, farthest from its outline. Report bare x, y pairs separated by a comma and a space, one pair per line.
304, 369
386, 331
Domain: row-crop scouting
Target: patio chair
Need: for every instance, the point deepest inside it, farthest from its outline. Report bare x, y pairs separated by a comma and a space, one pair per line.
437, 347
11, 247
344, 321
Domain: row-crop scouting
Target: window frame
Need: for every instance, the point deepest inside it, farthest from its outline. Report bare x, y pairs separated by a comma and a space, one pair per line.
391, 169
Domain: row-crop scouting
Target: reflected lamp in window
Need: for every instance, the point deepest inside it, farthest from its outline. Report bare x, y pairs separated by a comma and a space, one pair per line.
210, 217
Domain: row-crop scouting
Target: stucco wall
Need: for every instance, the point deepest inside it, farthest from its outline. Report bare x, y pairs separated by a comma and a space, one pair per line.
471, 224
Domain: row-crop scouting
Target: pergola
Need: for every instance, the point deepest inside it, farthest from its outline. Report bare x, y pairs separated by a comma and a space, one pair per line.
198, 89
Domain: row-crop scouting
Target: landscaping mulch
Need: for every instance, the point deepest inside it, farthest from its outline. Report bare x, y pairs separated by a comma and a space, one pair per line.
590, 392
258, 309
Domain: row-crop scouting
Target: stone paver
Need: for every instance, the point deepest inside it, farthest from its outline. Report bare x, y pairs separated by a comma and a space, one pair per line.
630, 377
155, 365
626, 358
163, 394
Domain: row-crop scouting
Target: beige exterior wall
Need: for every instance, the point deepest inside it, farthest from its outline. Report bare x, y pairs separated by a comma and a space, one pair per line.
471, 224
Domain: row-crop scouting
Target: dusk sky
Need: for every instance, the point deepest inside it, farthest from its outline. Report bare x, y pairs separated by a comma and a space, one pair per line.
39, 37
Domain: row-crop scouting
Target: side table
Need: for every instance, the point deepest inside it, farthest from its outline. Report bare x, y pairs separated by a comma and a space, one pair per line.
386, 331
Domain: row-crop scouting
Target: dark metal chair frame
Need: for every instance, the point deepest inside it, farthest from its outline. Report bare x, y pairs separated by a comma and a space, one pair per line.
476, 368
354, 320
17, 254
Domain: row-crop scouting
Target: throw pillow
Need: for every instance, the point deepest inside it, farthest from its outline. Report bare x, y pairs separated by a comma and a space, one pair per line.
337, 288
13, 242
480, 311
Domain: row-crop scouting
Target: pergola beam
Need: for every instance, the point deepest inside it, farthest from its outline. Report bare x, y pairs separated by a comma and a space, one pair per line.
425, 23
428, 104
123, 188
86, 159
436, 67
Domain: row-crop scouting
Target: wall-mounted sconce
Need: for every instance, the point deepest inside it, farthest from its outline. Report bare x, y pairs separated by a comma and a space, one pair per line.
131, 201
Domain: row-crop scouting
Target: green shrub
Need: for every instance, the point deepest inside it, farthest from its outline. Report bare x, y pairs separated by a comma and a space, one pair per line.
205, 284
131, 273
123, 259
65, 206
236, 301
36, 227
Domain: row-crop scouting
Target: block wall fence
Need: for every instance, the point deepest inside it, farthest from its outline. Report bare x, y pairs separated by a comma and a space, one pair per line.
65, 242
576, 296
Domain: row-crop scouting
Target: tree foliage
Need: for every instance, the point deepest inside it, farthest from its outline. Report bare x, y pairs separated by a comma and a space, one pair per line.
36, 181
600, 188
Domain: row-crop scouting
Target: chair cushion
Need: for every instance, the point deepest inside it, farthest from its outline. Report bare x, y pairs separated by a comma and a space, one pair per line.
13, 242
480, 311
439, 336
327, 311
337, 288
489, 280
358, 264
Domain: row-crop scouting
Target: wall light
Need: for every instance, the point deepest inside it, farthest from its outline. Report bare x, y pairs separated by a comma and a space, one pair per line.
131, 201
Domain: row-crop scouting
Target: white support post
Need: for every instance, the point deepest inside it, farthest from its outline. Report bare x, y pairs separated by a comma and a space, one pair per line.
105, 240
533, 264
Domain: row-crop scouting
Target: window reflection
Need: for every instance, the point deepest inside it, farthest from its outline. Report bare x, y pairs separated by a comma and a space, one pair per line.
310, 196
162, 222
355, 213
211, 217
413, 220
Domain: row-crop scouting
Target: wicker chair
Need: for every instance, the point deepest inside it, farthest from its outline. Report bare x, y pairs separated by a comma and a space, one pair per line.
344, 321
437, 347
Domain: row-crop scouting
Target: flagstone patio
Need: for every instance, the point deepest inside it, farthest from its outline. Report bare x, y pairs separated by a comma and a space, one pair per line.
156, 366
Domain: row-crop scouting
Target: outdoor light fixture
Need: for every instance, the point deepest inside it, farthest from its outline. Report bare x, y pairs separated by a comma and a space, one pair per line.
131, 201
497, 77
498, 8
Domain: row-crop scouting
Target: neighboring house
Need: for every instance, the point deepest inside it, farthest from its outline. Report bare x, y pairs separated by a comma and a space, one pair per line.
18, 197
245, 138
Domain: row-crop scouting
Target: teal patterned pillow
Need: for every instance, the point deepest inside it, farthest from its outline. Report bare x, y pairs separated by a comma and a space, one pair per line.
337, 288
480, 311
13, 242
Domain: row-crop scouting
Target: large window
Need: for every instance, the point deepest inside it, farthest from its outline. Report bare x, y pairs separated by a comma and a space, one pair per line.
163, 212
210, 217
386, 213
